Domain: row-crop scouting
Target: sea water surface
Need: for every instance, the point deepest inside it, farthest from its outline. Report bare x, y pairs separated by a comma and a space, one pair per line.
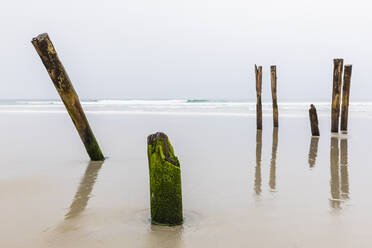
241, 187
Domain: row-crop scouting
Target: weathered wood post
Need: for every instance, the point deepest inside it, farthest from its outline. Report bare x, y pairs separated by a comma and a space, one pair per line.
273, 94
313, 121
345, 97
258, 72
70, 99
165, 181
336, 94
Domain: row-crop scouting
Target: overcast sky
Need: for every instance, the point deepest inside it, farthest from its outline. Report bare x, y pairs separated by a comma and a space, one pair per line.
186, 49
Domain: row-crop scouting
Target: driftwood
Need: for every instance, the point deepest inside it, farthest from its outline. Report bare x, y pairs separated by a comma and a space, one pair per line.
336, 94
258, 72
345, 97
70, 99
165, 181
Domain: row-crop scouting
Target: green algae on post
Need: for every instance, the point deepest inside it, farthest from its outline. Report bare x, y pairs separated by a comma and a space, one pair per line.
165, 181
70, 99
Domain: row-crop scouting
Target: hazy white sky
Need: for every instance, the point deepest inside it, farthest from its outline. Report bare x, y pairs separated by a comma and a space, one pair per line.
186, 49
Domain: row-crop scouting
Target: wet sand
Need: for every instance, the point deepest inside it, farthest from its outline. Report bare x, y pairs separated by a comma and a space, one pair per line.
278, 188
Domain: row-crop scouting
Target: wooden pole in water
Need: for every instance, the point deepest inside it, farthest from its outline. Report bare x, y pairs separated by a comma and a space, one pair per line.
313, 121
273, 93
258, 72
336, 94
165, 181
70, 99
345, 97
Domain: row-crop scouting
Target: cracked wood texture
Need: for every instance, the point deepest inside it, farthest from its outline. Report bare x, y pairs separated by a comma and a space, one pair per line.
336, 94
258, 73
345, 97
70, 99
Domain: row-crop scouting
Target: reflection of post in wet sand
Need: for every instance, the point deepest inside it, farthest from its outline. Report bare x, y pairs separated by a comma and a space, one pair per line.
344, 170
165, 237
339, 173
335, 177
272, 181
313, 151
85, 188
258, 179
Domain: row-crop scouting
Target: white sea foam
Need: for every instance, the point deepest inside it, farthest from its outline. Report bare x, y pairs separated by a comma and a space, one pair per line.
177, 106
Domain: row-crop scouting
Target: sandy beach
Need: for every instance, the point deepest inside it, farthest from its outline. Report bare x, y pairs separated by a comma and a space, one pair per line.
240, 188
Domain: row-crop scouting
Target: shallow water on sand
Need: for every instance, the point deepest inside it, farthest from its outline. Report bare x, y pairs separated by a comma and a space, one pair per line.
241, 188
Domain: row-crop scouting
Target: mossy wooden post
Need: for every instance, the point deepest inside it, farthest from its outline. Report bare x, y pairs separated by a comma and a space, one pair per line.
165, 181
258, 72
313, 121
336, 94
70, 99
345, 97
273, 94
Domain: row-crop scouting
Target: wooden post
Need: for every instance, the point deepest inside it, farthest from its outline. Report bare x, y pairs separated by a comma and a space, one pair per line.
257, 176
165, 181
258, 72
345, 97
336, 94
313, 121
70, 99
273, 93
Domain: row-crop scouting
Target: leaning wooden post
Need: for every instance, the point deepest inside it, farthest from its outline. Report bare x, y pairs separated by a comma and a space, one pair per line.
70, 99
273, 94
345, 97
165, 181
258, 72
313, 121
336, 94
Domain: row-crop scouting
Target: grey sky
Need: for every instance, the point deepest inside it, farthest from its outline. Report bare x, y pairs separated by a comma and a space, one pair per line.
186, 49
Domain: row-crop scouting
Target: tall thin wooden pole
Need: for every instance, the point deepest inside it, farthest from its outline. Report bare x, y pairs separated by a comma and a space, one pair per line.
258, 72
313, 121
70, 99
336, 94
273, 94
345, 98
